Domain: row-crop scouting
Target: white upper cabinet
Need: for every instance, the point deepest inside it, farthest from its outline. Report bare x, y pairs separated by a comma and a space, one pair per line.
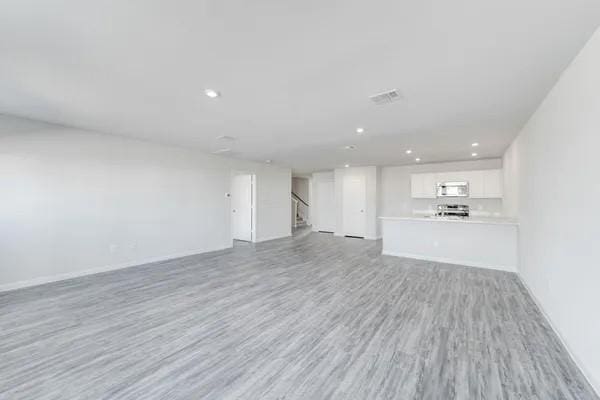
423, 186
416, 186
492, 183
476, 185
429, 186
484, 184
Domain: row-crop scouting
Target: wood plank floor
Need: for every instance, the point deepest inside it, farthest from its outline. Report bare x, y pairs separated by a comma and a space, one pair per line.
309, 317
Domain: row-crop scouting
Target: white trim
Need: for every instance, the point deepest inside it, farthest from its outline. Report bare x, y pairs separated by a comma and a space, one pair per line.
272, 238
373, 237
562, 340
450, 261
91, 271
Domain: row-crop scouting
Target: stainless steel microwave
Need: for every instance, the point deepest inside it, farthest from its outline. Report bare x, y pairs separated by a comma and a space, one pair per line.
453, 189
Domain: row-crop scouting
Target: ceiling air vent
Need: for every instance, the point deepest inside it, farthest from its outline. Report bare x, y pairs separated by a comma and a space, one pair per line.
386, 97
225, 138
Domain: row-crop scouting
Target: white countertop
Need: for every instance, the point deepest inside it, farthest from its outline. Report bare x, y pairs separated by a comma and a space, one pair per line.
469, 220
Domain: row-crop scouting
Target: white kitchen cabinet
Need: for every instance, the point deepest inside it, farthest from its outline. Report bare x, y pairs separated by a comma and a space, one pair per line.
485, 184
429, 186
423, 186
492, 183
416, 186
475, 179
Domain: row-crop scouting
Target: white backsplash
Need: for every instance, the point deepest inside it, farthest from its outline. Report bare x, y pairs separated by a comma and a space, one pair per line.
477, 208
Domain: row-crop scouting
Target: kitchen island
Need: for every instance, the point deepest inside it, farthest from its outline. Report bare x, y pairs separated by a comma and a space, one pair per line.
472, 241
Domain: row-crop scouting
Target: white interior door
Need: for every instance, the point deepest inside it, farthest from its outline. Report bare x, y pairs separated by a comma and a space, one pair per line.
241, 207
325, 209
354, 205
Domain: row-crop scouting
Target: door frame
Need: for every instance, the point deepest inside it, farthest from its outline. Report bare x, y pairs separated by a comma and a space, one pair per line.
253, 224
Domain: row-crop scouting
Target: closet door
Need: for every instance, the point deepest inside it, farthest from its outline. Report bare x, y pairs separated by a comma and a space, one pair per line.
354, 205
241, 208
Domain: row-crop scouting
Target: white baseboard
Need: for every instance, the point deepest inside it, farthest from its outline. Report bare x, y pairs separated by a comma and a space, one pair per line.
450, 261
575, 360
91, 271
365, 237
271, 238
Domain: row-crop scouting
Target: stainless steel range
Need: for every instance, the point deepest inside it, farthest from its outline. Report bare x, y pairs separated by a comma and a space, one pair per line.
453, 210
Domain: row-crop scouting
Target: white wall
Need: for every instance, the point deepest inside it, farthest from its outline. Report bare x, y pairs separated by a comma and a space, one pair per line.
554, 186
74, 201
396, 197
511, 167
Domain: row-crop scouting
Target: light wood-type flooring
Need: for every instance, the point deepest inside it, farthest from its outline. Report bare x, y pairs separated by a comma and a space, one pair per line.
308, 317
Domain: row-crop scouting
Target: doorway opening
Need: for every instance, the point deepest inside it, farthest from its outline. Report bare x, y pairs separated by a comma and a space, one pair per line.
243, 215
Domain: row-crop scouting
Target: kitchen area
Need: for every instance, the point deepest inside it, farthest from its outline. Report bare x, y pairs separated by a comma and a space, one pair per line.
452, 217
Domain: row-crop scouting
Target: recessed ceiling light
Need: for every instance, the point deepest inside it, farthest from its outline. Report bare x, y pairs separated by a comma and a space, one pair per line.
417, 159
211, 93
268, 161
408, 151
475, 144
219, 151
360, 130
347, 166
350, 147
474, 154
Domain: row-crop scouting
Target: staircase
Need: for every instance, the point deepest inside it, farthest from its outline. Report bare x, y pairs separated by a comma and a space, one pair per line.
299, 211
300, 222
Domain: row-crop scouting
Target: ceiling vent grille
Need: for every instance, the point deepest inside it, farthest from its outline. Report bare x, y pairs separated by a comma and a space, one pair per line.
226, 138
386, 97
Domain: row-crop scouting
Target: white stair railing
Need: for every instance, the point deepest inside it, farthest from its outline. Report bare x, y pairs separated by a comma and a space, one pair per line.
294, 213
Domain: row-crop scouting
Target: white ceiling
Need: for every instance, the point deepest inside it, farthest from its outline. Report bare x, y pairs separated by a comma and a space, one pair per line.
295, 75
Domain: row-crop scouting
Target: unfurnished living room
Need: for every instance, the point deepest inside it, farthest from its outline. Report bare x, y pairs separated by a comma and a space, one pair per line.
299, 200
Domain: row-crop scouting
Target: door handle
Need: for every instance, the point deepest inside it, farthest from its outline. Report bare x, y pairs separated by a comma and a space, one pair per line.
362, 210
